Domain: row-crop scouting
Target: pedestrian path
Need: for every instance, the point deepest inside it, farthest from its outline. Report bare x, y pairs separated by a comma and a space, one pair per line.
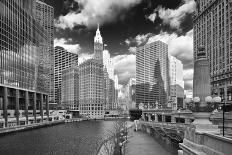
143, 144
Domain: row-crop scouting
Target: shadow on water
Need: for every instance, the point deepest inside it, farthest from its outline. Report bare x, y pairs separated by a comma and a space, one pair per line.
80, 138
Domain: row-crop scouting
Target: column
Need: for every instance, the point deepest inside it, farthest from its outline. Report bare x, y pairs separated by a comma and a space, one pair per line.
17, 106
156, 118
5, 103
149, 117
163, 118
41, 106
26, 105
173, 119
34, 106
47, 107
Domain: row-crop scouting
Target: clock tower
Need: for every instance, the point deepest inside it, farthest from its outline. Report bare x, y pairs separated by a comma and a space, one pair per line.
98, 45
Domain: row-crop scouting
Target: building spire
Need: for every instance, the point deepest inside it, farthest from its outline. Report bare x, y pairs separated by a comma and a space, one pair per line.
98, 38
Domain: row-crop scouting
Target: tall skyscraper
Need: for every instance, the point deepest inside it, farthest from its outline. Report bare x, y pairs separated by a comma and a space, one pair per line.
63, 60
70, 88
152, 74
212, 30
176, 83
24, 64
45, 17
103, 56
98, 45
92, 98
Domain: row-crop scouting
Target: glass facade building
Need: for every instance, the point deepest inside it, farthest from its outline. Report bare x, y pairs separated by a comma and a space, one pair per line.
24, 64
45, 17
152, 74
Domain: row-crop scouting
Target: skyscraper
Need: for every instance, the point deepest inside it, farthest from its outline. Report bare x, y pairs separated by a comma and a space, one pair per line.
212, 30
63, 60
45, 17
70, 88
103, 56
92, 98
176, 83
98, 45
24, 64
152, 74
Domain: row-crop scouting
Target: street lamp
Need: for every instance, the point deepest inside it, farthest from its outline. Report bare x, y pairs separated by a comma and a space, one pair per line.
202, 109
223, 114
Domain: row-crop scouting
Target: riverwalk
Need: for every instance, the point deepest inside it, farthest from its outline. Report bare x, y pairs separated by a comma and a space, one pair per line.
143, 144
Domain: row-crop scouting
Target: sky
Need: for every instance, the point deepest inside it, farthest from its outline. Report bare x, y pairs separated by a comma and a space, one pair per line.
125, 25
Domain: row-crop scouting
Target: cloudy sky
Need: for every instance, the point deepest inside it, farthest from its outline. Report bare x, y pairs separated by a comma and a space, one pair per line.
124, 25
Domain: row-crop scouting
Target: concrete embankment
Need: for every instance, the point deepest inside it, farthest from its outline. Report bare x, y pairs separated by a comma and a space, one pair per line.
20, 128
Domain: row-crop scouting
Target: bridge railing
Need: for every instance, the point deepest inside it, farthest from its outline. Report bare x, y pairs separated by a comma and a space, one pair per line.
166, 125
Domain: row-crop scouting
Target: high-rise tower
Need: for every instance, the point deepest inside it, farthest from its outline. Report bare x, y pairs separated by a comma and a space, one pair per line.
152, 74
98, 45
45, 17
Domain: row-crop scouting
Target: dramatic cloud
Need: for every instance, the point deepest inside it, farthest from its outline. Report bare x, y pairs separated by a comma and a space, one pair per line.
91, 12
138, 40
188, 79
152, 17
132, 50
84, 56
174, 17
74, 48
125, 67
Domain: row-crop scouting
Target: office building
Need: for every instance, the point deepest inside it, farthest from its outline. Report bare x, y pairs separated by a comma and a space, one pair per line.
92, 89
24, 65
45, 17
152, 74
131, 86
70, 88
63, 60
211, 27
176, 97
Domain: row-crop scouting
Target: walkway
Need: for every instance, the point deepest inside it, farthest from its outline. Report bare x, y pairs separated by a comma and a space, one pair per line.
143, 144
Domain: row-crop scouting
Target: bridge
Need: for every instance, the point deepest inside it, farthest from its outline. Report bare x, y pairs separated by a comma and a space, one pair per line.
174, 128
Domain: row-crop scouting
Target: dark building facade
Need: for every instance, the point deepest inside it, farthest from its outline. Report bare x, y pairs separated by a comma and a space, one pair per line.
24, 67
63, 60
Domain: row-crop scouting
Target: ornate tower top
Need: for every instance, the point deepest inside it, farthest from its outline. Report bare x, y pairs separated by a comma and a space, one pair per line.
98, 37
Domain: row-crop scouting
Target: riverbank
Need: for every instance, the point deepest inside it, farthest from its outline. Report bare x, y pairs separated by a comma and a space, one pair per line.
5, 131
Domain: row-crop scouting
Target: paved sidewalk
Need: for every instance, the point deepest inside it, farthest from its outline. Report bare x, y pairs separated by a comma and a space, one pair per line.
142, 144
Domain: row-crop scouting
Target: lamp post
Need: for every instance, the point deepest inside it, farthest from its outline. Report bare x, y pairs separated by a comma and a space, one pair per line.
223, 114
202, 109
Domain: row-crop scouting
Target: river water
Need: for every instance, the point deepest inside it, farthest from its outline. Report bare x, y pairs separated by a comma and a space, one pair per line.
79, 138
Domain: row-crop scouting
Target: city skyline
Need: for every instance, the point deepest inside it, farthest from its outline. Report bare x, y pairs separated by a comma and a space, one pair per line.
135, 23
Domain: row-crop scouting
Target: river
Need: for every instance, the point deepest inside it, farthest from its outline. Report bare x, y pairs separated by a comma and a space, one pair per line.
79, 138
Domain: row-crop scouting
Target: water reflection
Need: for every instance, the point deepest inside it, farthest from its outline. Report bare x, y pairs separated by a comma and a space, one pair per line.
75, 138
